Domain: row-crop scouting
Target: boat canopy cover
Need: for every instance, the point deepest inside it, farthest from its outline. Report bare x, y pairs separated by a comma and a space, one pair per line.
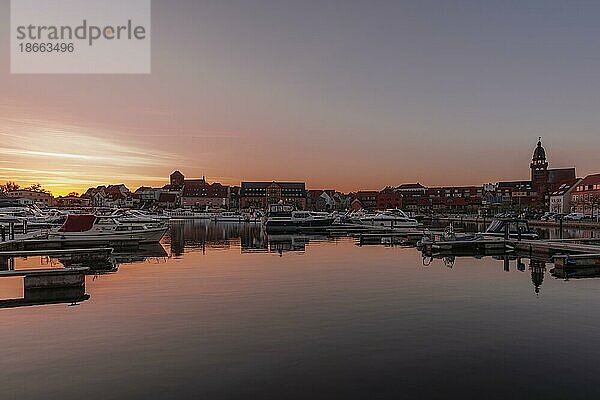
514, 226
78, 223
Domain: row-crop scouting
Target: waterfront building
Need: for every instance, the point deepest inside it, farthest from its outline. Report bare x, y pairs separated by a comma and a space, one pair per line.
199, 193
234, 197
71, 201
326, 200
455, 191
167, 200
320, 200
109, 196
366, 199
544, 180
411, 193
176, 180
517, 193
193, 193
533, 193
539, 169
388, 198
148, 195
39, 198
560, 198
259, 195
462, 199
585, 198
445, 202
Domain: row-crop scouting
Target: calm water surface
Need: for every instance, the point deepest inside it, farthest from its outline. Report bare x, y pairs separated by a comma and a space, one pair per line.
231, 314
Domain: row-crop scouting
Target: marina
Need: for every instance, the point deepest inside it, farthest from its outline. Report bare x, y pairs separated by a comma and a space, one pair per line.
229, 276
299, 200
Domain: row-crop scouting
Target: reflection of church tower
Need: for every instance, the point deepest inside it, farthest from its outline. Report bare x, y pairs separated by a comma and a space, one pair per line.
539, 171
538, 268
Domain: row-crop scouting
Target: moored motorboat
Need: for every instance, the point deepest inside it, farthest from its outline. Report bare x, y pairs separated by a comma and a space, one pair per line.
283, 218
11, 212
391, 218
231, 216
190, 214
88, 228
511, 227
237, 217
139, 217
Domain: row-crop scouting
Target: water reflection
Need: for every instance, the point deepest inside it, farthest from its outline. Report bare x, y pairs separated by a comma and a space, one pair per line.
193, 235
537, 266
202, 237
187, 236
228, 318
46, 270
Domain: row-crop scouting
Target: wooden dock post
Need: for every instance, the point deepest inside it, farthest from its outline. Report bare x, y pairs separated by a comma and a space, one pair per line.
561, 227
4, 266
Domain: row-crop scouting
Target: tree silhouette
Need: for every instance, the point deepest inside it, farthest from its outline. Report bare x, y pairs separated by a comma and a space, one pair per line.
9, 186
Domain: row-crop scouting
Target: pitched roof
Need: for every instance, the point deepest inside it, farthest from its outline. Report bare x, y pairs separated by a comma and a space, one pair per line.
264, 185
411, 186
167, 198
560, 175
591, 180
201, 188
562, 189
515, 184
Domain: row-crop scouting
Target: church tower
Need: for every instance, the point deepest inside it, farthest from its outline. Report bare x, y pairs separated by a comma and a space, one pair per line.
539, 170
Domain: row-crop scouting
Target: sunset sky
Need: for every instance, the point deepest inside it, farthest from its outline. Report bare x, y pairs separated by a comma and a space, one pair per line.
340, 94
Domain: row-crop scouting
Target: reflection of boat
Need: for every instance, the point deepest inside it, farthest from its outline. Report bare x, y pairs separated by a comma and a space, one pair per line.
106, 260
281, 243
283, 218
88, 228
139, 253
568, 272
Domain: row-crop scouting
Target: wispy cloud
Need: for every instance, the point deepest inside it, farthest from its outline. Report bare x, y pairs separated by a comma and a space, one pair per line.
69, 155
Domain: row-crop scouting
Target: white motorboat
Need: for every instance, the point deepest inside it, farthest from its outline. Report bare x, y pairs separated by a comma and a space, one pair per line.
231, 216
284, 218
392, 218
32, 214
237, 217
139, 217
189, 214
88, 228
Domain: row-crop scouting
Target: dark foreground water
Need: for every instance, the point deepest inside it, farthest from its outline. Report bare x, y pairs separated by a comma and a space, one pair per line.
232, 314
